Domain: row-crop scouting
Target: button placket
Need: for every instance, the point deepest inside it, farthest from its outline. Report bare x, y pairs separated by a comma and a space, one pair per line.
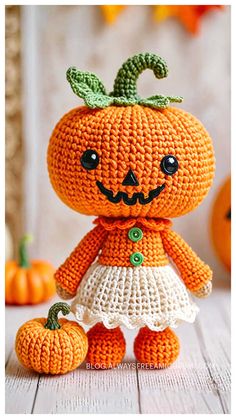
135, 234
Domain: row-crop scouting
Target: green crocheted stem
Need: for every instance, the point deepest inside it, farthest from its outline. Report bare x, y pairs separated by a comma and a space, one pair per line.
52, 320
125, 83
23, 254
91, 89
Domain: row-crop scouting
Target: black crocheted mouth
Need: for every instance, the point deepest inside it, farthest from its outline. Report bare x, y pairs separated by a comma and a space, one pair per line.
137, 196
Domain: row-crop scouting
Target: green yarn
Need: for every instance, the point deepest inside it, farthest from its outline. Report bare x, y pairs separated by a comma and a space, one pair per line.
90, 88
126, 80
87, 86
52, 320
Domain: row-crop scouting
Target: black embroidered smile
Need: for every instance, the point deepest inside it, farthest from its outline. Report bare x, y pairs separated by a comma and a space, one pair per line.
137, 196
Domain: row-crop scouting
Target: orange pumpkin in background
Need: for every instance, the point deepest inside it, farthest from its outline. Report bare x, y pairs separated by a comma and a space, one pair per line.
28, 282
221, 223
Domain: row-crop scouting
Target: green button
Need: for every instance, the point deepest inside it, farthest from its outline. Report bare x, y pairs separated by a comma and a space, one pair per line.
135, 234
137, 259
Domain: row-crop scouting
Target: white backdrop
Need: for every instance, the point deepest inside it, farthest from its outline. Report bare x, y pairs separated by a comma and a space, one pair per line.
56, 37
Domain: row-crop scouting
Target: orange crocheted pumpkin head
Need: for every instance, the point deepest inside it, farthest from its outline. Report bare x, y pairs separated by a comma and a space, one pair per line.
123, 156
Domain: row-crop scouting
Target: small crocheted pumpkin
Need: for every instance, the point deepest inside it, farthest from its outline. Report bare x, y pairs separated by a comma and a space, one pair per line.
28, 282
98, 153
221, 223
51, 346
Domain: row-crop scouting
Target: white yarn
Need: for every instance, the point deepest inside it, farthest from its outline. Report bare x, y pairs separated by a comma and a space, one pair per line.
134, 297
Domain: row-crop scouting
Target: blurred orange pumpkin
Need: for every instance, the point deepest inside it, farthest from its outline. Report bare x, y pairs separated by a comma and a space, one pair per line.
221, 223
28, 282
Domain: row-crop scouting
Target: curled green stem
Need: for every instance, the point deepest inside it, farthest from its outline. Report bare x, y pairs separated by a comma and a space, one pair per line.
23, 253
125, 83
52, 319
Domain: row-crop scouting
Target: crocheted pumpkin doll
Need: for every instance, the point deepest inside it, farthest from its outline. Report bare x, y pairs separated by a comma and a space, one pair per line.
134, 163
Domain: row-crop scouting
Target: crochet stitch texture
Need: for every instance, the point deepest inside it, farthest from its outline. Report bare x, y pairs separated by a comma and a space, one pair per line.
135, 138
51, 346
133, 297
88, 86
134, 163
159, 350
106, 347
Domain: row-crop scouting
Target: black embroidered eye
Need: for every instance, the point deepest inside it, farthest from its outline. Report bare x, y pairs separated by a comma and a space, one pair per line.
89, 159
169, 165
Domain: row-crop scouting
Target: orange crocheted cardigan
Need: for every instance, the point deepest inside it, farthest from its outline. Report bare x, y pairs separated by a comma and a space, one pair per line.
110, 241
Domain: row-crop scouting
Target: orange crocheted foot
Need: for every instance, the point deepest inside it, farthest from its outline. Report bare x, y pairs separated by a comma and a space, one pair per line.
106, 347
156, 349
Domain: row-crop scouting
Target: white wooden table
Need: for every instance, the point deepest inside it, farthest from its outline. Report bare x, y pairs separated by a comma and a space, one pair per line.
199, 381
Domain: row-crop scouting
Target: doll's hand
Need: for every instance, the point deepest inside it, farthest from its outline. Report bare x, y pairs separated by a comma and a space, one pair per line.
204, 291
65, 295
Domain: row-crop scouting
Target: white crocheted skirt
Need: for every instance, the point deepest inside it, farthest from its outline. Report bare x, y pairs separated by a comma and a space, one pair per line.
134, 297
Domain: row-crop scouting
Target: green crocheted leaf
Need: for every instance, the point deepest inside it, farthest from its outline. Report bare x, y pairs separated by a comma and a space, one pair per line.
123, 101
84, 83
97, 100
160, 101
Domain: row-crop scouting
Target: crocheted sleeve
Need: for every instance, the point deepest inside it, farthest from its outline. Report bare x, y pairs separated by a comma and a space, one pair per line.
71, 272
194, 272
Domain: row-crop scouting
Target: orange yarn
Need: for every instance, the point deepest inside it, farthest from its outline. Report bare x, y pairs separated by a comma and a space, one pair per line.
69, 275
111, 237
194, 272
106, 347
51, 351
156, 349
117, 247
137, 138
155, 224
